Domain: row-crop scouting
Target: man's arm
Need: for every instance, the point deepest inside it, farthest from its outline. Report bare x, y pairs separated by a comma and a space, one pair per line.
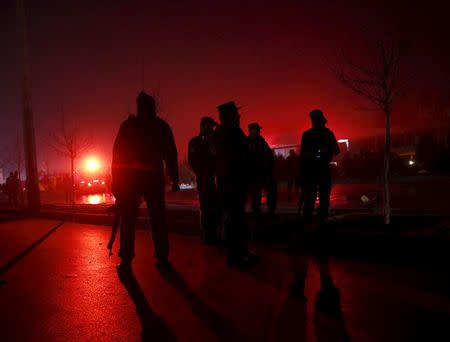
192, 155
303, 148
301, 160
269, 155
171, 157
118, 153
335, 150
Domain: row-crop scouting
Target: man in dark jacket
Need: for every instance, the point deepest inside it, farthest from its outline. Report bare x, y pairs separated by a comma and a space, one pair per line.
11, 190
317, 149
143, 144
262, 164
201, 158
292, 164
232, 155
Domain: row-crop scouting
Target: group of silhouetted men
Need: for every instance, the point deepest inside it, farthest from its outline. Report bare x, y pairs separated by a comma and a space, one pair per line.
230, 167
12, 188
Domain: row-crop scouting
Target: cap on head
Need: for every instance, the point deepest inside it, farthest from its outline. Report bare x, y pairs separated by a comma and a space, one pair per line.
206, 120
317, 117
227, 109
254, 125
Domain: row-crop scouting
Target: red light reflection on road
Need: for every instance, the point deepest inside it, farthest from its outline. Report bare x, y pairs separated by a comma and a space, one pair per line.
94, 199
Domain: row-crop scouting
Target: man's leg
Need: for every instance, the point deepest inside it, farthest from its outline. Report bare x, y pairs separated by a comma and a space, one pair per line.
299, 262
233, 202
324, 195
272, 195
309, 194
128, 207
209, 211
290, 185
156, 207
15, 200
255, 198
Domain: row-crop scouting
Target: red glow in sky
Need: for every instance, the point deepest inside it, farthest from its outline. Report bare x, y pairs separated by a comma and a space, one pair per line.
89, 59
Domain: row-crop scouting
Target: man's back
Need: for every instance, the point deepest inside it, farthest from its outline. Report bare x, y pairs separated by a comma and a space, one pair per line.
140, 148
318, 146
232, 152
262, 159
155, 144
200, 156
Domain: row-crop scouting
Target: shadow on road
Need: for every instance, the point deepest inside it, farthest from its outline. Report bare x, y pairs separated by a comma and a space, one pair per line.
328, 318
291, 322
220, 326
9, 264
153, 327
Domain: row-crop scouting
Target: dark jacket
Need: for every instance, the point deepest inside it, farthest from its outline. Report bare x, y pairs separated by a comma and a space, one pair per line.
317, 149
140, 148
232, 154
201, 157
292, 166
262, 158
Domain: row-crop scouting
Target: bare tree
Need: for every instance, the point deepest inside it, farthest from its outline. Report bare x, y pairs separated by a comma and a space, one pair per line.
70, 144
378, 83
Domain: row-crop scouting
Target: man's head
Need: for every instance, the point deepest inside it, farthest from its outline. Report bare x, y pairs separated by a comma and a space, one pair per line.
207, 125
146, 105
291, 152
11, 174
16, 174
229, 114
317, 118
254, 130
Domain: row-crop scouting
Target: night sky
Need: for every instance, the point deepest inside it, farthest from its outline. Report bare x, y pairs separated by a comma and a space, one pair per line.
272, 57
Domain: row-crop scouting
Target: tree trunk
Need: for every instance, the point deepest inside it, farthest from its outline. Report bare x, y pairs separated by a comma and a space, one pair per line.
32, 177
72, 181
387, 159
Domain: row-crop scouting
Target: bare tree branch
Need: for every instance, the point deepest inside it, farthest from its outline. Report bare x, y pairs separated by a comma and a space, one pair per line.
69, 143
379, 85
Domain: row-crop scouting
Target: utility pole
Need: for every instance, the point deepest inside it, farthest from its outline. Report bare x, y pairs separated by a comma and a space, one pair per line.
32, 182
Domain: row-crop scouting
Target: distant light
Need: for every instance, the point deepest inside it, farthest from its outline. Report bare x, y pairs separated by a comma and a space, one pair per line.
82, 182
95, 181
365, 199
103, 182
344, 141
186, 186
89, 184
92, 165
411, 162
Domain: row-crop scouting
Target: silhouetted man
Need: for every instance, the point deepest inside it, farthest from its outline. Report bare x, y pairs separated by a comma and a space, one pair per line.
202, 159
292, 165
142, 144
262, 164
10, 189
318, 147
232, 155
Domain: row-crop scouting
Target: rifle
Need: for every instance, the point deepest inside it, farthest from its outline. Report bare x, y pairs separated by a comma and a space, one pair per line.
115, 227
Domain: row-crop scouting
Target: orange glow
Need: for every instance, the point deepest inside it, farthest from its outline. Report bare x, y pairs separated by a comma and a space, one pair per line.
92, 164
95, 199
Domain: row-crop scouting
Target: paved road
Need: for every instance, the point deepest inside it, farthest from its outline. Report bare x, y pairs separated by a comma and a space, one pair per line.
417, 194
66, 289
